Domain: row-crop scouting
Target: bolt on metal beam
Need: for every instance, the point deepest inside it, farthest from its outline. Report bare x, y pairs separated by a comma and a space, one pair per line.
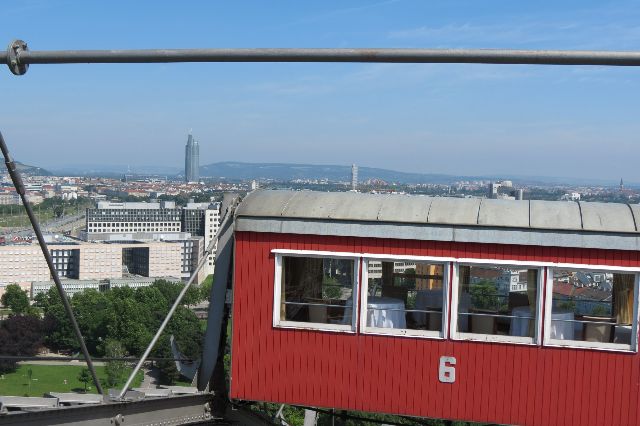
19, 186
18, 56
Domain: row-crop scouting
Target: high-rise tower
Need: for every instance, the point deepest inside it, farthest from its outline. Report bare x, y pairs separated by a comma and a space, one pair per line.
354, 177
191, 160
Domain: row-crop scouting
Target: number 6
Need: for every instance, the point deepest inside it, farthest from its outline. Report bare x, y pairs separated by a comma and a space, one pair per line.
447, 371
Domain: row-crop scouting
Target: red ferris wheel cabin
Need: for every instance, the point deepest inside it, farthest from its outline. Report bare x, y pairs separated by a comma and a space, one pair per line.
510, 312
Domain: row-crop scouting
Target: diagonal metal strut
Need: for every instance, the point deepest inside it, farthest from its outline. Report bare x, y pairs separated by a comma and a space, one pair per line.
17, 183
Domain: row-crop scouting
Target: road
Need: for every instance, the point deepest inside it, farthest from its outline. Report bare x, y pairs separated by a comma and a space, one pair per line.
66, 223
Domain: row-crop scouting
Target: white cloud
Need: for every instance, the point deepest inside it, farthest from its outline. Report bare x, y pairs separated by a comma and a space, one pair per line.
559, 34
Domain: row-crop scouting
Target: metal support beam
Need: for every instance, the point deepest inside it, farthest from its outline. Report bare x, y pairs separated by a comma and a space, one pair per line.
175, 305
18, 57
17, 183
175, 410
215, 335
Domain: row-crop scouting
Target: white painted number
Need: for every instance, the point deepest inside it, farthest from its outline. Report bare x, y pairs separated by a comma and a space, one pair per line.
447, 371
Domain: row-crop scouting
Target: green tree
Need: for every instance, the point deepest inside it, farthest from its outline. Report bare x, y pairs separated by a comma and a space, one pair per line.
599, 311
330, 288
41, 300
29, 378
156, 302
115, 369
169, 373
84, 377
58, 211
94, 313
484, 295
130, 324
58, 331
185, 327
171, 290
19, 335
15, 299
205, 288
409, 279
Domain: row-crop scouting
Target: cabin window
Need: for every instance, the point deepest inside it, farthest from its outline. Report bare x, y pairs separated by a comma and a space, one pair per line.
497, 303
592, 308
404, 296
315, 292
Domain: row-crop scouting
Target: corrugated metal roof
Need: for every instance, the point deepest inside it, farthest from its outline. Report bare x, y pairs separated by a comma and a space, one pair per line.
412, 209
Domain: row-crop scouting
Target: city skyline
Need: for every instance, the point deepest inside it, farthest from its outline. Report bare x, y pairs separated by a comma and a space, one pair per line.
452, 119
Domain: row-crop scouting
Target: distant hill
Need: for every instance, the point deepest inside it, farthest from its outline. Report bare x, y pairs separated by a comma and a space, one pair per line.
282, 171
114, 170
234, 170
26, 169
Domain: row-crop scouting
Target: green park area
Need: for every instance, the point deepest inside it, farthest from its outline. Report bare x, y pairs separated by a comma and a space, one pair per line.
52, 378
116, 323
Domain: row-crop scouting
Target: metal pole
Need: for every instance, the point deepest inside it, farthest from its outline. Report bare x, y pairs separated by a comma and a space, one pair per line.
175, 305
485, 56
18, 57
17, 183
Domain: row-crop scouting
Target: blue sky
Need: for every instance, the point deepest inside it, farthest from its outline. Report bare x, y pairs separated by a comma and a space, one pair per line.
456, 119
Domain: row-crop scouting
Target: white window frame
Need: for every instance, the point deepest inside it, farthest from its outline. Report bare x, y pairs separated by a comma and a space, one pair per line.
476, 337
277, 291
579, 344
364, 293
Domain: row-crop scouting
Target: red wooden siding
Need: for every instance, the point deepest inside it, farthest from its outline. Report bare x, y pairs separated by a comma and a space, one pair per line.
495, 382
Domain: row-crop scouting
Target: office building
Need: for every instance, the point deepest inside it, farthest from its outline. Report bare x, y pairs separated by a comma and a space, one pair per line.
118, 217
192, 227
71, 287
202, 219
192, 250
504, 190
23, 264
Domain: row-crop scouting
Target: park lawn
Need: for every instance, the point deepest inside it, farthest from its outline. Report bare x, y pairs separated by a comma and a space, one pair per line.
50, 378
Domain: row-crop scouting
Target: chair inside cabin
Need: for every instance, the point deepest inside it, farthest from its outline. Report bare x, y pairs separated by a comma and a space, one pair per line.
597, 331
318, 313
517, 299
399, 293
434, 320
482, 323
326, 311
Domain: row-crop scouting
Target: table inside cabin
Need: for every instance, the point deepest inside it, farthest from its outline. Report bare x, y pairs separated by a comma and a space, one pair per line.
432, 300
427, 300
562, 325
520, 323
382, 312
